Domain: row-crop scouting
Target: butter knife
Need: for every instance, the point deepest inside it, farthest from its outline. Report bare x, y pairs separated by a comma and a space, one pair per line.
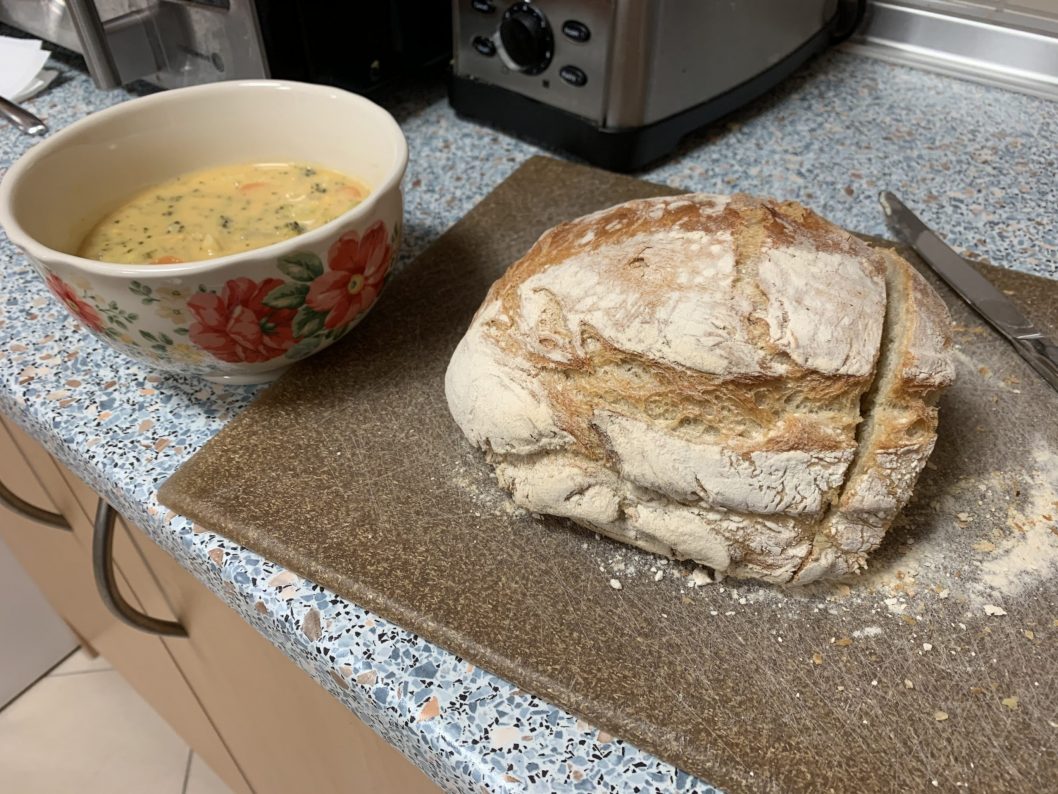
996, 308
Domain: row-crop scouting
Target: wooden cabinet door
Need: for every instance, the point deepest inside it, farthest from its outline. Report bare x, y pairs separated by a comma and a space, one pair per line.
51, 556
287, 732
60, 563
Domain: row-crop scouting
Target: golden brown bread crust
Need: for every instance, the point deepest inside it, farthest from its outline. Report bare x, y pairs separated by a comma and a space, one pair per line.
686, 374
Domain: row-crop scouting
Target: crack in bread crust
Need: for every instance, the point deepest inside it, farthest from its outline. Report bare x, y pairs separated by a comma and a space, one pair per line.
899, 428
687, 374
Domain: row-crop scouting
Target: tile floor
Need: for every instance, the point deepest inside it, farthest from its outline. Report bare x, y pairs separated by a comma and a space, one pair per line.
82, 729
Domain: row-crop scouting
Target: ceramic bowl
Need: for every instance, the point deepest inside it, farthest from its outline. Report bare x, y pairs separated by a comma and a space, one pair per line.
243, 317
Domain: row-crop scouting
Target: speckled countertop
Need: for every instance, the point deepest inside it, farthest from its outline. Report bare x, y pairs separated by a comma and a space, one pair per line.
978, 163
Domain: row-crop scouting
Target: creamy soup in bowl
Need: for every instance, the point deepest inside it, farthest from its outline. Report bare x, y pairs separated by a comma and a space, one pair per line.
243, 283
221, 211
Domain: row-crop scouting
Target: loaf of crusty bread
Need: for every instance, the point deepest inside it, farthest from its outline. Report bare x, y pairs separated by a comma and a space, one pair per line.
729, 380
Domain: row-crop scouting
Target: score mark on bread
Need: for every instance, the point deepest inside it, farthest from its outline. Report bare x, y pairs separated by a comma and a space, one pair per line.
734, 381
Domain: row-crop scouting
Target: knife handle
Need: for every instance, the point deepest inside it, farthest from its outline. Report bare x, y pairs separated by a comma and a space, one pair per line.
1042, 356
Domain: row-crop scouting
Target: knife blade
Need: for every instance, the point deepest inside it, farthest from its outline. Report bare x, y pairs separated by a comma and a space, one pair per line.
978, 292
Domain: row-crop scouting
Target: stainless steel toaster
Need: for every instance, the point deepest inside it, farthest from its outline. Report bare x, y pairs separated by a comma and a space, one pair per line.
620, 82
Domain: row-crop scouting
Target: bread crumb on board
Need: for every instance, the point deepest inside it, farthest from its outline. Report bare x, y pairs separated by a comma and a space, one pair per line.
700, 577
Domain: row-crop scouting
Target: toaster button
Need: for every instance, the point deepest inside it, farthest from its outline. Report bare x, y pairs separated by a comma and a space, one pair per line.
573, 75
576, 31
484, 46
483, 6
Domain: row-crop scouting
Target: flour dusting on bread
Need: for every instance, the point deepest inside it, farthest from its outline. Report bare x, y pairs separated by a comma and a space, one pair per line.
729, 380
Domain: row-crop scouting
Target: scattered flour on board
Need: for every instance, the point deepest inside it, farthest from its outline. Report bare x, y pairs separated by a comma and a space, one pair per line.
1030, 554
867, 631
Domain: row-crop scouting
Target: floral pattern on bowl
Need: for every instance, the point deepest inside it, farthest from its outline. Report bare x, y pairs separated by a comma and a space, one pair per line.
288, 316
78, 307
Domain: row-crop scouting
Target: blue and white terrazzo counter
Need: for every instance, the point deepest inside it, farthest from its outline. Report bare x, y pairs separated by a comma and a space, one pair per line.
978, 163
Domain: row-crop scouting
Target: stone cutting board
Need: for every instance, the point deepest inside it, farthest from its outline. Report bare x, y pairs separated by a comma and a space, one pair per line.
349, 471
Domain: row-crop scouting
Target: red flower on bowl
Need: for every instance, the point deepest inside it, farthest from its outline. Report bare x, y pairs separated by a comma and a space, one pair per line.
236, 325
357, 268
79, 308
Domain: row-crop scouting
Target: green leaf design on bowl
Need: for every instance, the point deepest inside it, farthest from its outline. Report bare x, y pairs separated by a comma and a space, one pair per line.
301, 266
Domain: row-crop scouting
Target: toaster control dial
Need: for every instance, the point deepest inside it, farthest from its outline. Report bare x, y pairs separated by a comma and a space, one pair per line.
528, 43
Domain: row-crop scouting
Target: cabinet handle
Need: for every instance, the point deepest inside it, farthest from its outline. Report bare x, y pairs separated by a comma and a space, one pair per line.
103, 567
32, 512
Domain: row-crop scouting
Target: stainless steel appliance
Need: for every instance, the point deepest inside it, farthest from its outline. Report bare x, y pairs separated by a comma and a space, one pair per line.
620, 82
365, 47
